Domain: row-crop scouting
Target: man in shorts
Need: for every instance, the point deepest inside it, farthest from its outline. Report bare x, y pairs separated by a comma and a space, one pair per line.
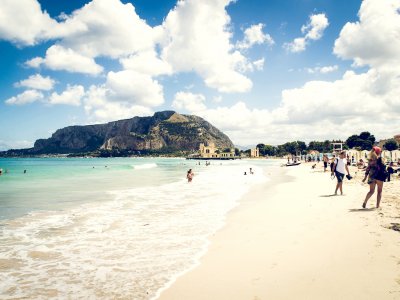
339, 169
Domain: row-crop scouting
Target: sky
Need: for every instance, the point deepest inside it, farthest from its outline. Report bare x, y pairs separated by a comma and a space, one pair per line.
262, 71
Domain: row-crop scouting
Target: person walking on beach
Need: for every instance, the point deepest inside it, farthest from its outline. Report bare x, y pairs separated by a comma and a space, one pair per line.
332, 162
189, 175
376, 173
339, 169
325, 160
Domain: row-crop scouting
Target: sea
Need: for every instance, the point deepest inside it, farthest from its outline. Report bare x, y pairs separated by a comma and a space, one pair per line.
111, 228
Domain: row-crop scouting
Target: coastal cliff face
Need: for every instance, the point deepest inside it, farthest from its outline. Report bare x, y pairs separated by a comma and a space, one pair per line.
167, 131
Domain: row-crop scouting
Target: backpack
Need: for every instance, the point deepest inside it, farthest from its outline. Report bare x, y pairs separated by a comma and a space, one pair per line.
382, 170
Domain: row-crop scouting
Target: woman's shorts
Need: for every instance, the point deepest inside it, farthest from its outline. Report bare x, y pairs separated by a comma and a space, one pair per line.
339, 176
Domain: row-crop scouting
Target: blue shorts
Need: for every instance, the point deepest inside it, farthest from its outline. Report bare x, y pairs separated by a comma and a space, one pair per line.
339, 176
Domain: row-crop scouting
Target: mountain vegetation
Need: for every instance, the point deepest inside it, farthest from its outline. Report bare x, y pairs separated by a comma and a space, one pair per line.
165, 133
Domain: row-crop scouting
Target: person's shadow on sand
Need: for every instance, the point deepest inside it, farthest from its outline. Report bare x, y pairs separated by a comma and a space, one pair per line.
361, 209
331, 195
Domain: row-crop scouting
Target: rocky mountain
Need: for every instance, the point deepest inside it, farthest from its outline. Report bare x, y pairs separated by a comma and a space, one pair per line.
165, 131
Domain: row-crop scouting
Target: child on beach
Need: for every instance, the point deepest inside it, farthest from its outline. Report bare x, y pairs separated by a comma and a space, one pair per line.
376, 173
339, 168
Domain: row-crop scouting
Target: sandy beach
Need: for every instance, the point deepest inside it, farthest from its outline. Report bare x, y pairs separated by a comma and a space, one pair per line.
296, 240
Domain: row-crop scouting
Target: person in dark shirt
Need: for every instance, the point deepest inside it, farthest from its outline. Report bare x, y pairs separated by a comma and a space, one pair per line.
376, 173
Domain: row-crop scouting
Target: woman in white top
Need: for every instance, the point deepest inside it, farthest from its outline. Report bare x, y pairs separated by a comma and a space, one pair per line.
339, 169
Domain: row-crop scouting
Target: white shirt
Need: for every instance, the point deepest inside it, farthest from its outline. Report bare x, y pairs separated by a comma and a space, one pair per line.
340, 165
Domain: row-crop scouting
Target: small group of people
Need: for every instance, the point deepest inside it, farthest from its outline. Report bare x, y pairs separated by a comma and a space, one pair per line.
250, 172
375, 172
5, 172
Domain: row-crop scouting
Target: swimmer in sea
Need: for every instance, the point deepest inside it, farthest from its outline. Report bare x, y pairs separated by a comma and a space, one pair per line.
189, 175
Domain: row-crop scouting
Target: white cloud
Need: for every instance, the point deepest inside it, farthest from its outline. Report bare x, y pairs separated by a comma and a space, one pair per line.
259, 64
146, 62
328, 69
189, 102
99, 109
323, 70
71, 96
197, 38
217, 99
23, 22
26, 97
318, 110
100, 28
60, 58
298, 45
255, 36
107, 28
34, 62
374, 40
134, 87
37, 82
313, 30
6, 145
316, 26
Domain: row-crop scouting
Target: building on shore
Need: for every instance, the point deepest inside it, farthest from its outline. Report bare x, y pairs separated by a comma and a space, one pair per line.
337, 147
255, 153
209, 151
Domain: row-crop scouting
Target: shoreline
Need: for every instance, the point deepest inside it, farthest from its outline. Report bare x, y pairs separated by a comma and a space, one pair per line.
296, 241
198, 258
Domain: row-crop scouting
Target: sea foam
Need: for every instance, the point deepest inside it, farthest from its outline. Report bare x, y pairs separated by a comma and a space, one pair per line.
145, 166
131, 247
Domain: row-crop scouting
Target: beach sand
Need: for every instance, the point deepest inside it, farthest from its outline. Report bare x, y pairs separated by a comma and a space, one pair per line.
296, 241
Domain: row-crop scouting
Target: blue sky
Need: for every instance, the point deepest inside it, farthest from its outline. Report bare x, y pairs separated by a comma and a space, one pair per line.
262, 71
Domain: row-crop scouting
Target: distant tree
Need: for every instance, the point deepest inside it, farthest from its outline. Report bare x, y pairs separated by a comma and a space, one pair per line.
318, 146
261, 148
270, 150
301, 146
366, 145
352, 141
290, 147
237, 152
280, 150
327, 146
367, 136
364, 141
391, 145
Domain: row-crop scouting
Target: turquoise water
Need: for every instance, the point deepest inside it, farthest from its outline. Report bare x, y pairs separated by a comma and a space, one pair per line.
58, 183
115, 228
